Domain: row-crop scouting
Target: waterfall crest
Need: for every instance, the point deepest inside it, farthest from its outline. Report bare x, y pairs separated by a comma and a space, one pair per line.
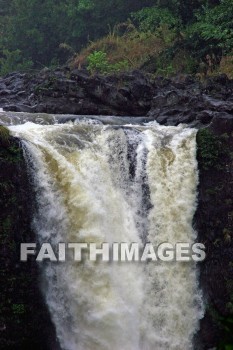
104, 183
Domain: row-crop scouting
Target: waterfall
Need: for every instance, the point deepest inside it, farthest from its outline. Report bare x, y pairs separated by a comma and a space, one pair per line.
116, 183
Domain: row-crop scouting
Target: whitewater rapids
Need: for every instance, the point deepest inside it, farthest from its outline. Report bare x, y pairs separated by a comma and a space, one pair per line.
98, 183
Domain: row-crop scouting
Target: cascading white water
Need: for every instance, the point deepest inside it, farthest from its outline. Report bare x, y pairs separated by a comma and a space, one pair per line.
134, 183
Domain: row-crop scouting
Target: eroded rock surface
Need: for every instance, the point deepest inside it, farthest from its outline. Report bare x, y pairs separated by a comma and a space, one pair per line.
169, 101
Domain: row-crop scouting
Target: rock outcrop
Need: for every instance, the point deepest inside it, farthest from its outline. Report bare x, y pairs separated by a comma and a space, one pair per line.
182, 99
24, 318
214, 223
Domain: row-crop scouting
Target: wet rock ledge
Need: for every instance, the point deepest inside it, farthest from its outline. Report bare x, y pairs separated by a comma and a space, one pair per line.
169, 101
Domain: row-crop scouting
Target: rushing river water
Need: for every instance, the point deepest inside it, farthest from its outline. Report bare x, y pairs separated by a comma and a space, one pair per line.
114, 180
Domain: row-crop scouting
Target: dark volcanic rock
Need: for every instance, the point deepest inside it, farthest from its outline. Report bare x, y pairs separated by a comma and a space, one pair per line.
24, 319
169, 101
76, 92
214, 223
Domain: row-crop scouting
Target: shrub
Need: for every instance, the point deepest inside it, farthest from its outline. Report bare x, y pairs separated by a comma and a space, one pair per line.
212, 33
149, 19
13, 61
210, 149
98, 63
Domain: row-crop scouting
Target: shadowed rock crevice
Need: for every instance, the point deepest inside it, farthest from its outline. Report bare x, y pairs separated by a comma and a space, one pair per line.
214, 223
24, 320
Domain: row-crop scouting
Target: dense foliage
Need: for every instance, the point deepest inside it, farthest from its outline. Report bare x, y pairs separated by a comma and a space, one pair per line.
38, 28
213, 30
46, 33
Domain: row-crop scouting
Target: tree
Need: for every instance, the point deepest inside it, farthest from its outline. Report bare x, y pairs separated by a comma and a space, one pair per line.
34, 27
37, 28
212, 33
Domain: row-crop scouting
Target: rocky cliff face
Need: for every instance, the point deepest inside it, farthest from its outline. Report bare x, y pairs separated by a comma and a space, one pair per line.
214, 222
24, 320
170, 101
208, 105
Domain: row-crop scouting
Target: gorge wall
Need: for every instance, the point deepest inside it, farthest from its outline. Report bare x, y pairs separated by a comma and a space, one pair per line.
214, 223
24, 319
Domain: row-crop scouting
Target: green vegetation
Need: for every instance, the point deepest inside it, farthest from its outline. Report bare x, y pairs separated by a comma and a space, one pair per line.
4, 133
150, 19
98, 63
18, 309
13, 61
46, 32
125, 47
210, 149
172, 37
226, 324
161, 36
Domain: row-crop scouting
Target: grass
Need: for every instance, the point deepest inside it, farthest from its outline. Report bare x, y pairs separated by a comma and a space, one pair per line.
148, 51
226, 66
125, 42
